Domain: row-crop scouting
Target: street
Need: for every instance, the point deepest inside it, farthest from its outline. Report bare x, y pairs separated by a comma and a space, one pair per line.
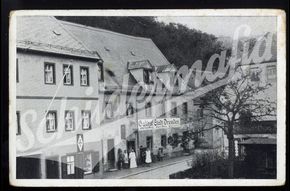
158, 170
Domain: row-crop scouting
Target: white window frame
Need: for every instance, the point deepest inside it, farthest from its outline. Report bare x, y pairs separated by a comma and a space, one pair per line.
51, 122
84, 77
67, 119
67, 71
70, 164
49, 68
86, 115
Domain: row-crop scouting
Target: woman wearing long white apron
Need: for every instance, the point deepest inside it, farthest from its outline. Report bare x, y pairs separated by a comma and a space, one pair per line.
132, 157
148, 159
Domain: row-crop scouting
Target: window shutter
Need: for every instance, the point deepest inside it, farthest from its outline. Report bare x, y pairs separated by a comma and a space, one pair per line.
63, 167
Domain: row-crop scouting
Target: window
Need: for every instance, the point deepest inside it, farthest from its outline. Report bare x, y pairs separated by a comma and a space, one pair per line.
271, 72
147, 76
88, 167
255, 74
130, 109
173, 108
100, 72
176, 80
163, 140
51, 121
68, 75
86, 120
123, 132
17, 71
199, 113
163, 108
184, 108
109, 110
148, 109
70, 161
18, 130
49, 73
69, 120
84, 71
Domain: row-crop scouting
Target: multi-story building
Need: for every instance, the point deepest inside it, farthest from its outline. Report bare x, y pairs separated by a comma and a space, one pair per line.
94, 92
56, 95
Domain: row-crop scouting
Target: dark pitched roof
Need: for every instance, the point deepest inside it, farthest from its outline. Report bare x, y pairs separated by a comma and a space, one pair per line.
259, 141
117, 49
43, 33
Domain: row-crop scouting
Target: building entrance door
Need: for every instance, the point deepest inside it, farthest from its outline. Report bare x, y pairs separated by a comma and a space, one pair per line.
111, 154
52, 168
131, 145
149, 142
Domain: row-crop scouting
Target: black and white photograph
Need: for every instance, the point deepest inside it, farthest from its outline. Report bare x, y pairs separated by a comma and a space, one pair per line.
154, 96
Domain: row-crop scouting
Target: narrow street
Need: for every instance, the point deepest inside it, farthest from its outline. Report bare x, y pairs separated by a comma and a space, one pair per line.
158, 170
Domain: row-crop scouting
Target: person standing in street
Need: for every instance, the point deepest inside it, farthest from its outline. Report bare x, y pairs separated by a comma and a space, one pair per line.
132, 157
126, 159
120, 159
148, 159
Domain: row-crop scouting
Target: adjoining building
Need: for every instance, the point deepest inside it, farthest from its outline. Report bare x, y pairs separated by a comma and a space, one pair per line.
259, 135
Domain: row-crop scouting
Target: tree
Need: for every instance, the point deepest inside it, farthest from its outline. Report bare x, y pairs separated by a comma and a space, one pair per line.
240, 99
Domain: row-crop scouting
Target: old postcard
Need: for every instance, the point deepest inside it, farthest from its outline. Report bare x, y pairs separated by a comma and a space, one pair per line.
163, 97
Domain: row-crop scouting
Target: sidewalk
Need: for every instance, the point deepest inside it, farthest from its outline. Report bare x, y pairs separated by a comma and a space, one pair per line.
124, 173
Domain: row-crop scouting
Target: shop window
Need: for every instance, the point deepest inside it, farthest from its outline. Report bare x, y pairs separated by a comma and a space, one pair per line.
18, 130
70, 164
68, 75
148, 109
163, 140
86, 120
88, 167
69, 121
51, 121
84, 75
49, 73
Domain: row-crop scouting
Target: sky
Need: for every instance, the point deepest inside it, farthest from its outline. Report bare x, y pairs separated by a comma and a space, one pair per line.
225, 26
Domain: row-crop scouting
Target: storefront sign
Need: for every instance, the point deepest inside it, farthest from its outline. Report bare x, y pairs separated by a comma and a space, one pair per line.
80, 142
150, 124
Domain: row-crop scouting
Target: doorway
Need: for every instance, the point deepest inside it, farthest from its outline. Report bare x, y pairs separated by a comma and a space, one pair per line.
131, 145
149, 142
111, 153
52, 167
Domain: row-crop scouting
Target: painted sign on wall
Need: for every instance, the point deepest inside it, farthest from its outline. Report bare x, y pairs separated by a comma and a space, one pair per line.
151, 124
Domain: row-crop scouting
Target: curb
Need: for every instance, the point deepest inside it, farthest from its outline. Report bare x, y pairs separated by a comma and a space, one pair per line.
153, 168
